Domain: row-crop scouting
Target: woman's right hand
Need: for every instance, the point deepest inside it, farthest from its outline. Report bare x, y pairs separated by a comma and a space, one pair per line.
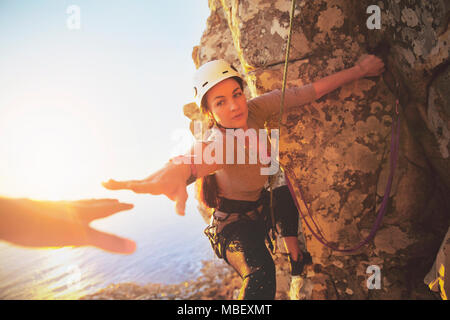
170, 181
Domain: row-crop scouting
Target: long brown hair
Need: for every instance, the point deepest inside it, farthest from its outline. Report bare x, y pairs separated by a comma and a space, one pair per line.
207, 188
207, 191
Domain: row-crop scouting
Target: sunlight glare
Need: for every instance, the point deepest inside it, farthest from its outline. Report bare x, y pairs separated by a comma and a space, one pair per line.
52, 150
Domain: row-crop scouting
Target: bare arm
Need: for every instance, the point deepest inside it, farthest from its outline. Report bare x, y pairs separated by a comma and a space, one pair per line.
265, 105
170, 180
334, 81
367, 66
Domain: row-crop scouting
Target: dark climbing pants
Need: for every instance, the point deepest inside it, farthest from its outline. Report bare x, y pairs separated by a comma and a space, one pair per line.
246, 252
244, 247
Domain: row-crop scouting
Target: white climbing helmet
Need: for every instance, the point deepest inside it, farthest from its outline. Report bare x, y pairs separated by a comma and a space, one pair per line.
210, 74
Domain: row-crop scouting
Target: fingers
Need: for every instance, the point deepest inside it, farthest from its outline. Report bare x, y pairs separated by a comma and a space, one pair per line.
377, 69
361, 58
94, 201
110, 242
138, 186
117, 185
379, 63
96, 209
370, 65
180, 201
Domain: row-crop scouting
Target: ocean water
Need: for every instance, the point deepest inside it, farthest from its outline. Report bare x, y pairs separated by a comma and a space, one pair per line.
170, 249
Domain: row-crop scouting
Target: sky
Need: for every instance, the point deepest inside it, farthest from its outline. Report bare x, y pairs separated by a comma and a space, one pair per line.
79, 106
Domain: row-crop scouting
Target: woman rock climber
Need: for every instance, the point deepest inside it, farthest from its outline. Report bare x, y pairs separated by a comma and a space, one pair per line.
236, 191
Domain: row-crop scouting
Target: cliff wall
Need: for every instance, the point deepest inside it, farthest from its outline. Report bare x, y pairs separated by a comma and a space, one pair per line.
338, 146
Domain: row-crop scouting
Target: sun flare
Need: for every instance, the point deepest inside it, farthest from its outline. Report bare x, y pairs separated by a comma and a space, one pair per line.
48, 151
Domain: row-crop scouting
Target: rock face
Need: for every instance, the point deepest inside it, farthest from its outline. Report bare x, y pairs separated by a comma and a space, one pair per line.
338, 146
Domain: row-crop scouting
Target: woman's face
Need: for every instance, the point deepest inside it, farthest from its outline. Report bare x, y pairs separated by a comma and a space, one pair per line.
228, 104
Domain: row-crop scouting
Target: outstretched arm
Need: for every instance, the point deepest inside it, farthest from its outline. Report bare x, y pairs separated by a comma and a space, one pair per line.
171, 180
268, 103
60, 223
367, 66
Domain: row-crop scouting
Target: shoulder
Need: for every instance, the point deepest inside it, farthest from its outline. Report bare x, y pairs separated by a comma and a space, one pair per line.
263, 106
264, 98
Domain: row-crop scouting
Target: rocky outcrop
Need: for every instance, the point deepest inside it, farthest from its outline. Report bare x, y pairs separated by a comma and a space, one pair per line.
338, 146
217, 282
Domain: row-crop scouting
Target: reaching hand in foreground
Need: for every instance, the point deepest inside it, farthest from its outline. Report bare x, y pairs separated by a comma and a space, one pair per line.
61, 223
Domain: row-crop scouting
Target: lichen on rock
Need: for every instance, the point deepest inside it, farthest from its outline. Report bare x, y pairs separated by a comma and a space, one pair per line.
338, 147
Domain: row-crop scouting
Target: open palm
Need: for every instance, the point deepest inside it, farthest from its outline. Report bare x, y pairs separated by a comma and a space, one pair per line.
61, 223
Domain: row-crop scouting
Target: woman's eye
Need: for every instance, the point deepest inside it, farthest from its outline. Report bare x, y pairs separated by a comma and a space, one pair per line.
220, 103
237, 94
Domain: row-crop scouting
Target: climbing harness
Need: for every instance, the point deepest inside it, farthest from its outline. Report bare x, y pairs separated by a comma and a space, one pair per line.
229, 212
394, 147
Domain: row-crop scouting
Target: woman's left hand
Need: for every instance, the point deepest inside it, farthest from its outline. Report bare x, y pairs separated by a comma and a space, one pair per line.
370, 65
169, 180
